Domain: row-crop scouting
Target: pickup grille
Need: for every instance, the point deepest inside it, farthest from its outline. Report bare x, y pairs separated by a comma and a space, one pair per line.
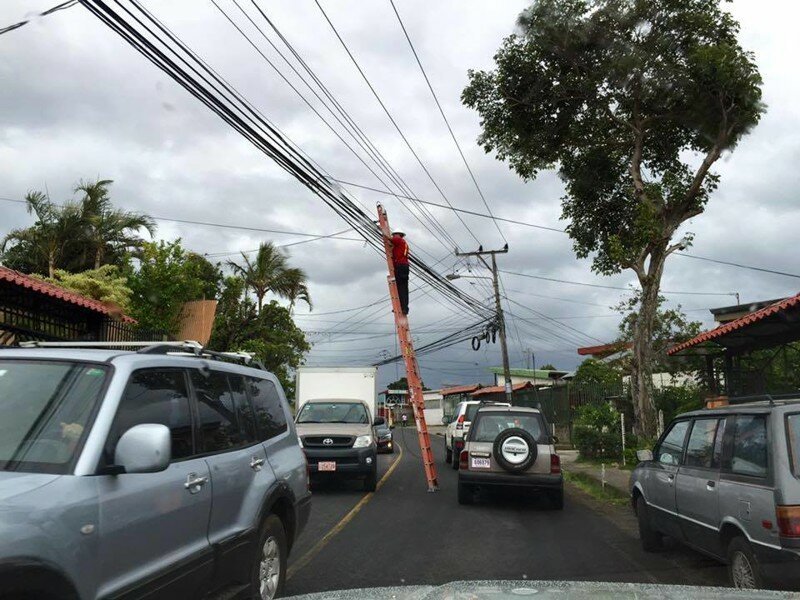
337, 441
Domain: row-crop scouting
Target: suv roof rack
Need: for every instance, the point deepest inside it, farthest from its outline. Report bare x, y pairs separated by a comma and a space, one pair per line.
182, 348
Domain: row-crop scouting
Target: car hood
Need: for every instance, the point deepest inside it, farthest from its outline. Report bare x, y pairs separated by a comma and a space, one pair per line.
558, 590
304, 429
15, 484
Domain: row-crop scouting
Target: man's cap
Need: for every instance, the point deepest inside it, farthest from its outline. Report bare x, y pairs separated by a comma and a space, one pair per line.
398, 232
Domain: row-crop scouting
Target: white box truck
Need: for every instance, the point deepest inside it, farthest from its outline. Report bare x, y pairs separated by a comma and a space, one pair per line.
337, 383
335, 419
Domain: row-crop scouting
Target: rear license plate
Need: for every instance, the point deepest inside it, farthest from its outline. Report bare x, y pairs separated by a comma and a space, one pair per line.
480, 463
327, 465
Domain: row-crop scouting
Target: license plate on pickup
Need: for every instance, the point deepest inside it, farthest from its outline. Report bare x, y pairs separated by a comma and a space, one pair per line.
480, 463
327, 465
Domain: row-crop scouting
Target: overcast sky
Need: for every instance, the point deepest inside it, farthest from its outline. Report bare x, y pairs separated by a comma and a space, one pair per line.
76, 102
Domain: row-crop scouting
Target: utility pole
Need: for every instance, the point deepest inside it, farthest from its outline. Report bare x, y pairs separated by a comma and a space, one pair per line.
499, 309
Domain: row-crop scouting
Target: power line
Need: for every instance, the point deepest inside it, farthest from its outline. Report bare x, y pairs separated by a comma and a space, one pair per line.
367, 148
733, 264
315, 236
441, 112
49, 11
391, 118
611, 287
359, 136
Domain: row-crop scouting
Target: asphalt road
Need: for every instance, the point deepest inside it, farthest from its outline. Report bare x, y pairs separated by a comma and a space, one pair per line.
404, 535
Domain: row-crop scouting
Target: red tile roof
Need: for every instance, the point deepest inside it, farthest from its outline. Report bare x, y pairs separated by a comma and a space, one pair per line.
739, 323
54, 291
604, 349
461, 389
498, 389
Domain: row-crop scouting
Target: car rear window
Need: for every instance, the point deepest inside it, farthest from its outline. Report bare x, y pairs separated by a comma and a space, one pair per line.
469, 415
489, 426
793, 433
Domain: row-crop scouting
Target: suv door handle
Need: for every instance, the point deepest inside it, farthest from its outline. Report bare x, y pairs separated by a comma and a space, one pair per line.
256, 462
711, 484
671, 478
194, 483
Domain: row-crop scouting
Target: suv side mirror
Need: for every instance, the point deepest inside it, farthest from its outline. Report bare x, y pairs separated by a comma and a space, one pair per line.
144, 448
446, 420
379, 421
644, 455
554, 439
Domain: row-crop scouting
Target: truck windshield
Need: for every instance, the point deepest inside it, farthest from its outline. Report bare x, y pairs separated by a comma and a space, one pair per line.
333, 412
45, 407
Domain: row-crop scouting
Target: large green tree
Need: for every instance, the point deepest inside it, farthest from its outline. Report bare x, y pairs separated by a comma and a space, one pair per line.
632, 101
167, 277
269, 272
269, 333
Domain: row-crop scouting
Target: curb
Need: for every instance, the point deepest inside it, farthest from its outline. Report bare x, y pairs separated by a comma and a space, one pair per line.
596, 477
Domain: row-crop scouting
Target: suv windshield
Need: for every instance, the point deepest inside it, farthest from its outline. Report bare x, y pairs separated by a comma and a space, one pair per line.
333, 412
45, 407
489, 426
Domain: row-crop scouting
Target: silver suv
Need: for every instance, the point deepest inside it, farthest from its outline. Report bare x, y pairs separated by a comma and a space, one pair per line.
726, 481
144, 473
509, 447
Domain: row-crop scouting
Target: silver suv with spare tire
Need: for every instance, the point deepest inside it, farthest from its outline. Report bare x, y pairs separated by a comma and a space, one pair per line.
509, 447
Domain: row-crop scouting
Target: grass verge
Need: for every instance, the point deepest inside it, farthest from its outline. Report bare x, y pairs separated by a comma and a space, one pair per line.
594, 488
628, 466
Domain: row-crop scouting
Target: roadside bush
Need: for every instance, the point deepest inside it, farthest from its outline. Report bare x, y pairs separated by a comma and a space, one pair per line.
595, 431
675, 400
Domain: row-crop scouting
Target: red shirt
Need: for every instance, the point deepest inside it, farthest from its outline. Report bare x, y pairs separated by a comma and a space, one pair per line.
399, 250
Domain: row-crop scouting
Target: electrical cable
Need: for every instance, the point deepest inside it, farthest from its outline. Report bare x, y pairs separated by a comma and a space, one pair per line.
444, 117
391, 118
49, 11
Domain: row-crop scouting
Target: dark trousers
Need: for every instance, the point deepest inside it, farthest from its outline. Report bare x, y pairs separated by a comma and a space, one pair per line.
401, 277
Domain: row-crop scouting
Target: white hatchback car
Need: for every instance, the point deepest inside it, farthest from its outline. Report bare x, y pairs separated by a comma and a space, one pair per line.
458, 427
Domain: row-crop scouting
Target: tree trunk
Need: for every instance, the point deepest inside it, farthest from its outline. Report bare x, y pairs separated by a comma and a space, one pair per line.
641, 368
51, 265
98, 257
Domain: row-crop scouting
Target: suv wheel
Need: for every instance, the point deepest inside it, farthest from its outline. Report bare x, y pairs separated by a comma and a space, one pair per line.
269, 560
466, 495
651, 539
743, 568
448, 453
371, 481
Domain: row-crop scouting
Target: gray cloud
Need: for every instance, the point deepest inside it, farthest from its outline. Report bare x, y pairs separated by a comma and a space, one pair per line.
76, 102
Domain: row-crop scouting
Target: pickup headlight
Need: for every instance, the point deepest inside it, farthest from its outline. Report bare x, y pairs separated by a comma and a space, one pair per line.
362, 441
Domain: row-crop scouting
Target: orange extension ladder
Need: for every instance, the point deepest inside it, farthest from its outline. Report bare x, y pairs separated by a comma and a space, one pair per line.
407, 350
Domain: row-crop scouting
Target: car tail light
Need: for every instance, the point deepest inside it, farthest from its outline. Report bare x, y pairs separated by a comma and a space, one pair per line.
789, 521
555, 463
460, 422
463, 459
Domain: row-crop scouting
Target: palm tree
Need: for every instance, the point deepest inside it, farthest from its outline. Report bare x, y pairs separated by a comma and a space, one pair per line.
108, 228
296, 288
269, 272
57, 228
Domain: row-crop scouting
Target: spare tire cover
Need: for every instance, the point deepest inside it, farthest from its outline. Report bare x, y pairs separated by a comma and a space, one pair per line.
514, 450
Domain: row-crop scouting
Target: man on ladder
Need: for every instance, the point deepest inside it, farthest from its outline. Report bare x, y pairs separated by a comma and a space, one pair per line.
400, 260
396, 249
